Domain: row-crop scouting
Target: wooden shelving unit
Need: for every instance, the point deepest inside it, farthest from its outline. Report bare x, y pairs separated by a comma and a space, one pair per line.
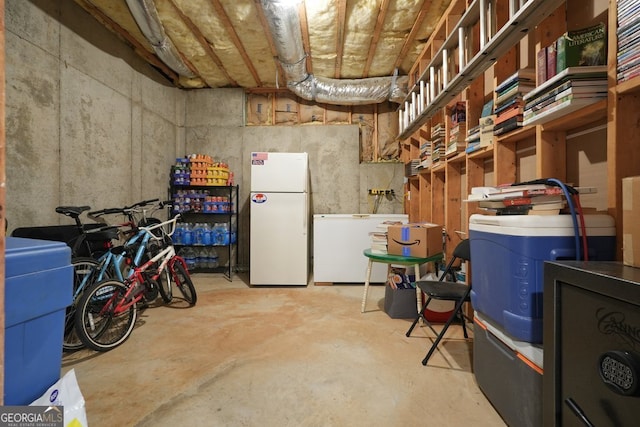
468, 55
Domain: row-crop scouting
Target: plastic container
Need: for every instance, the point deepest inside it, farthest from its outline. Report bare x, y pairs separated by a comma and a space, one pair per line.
38, 288
507, 260
497, 357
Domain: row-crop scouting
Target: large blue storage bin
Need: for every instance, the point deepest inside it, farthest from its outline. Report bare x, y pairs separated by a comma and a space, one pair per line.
38, 288
507, 263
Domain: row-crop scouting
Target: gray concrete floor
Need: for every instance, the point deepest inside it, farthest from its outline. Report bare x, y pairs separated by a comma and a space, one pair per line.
280, 356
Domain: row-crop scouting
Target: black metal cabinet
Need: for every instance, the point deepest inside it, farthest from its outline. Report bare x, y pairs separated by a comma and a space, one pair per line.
209, 219
591, 344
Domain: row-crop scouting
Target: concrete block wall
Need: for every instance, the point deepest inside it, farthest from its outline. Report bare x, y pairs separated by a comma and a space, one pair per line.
88, 122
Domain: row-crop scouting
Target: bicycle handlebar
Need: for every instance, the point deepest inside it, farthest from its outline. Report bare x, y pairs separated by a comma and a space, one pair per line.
141, 204
171, 221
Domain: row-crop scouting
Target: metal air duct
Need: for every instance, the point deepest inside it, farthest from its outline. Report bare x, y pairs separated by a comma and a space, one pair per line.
284, 24
146, 16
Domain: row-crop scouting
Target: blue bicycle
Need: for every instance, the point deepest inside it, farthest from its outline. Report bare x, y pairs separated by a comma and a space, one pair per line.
115, 263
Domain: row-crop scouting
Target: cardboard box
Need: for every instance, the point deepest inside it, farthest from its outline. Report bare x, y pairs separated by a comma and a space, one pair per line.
420, 240
630, 224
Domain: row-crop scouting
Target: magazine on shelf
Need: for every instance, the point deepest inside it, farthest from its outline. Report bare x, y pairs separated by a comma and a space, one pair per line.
592, 72
563, 107
569, 87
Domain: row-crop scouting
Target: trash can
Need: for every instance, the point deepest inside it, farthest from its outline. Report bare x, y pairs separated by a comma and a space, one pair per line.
38, 288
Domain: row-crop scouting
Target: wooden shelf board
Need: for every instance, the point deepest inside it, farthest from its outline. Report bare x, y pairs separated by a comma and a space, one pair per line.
580, 117
629, 86
482, 153
518, 135
458, 158
439, 167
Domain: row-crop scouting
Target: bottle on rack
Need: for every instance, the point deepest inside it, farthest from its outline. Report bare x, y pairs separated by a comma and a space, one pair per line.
212, 257
187, 234
198, 231
189, 257
207, 235
176, 238
201, 257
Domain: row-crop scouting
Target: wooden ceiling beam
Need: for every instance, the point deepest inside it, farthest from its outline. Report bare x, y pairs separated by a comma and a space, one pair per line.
340, 24
140, 49
228, 25
382, 14
204, 43
417, 24
304, 27
267, 32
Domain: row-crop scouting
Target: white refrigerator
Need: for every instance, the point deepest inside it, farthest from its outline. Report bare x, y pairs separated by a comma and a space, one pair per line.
279, 224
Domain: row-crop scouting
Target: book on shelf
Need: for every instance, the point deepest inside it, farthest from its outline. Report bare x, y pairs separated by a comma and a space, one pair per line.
629, 74
473, 146
568, 88
559, 108
513, 191
571, 73
541, 66
523, 75
502, 204
551, 60
518, 91
487, 109
584, 47
542, 199
459, 112
516, 110
526, 210
508, 125
533, 110
516, 100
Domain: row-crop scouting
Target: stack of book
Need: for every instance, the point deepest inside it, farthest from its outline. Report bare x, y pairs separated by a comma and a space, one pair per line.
571, 89
533, 199
425, 155
379, 237
458, 131
628, 39
438, 134
473, 139
486, 122
509, 105
412, 168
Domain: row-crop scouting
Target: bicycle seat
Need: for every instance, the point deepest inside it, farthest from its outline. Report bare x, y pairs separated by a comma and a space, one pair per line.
72, 211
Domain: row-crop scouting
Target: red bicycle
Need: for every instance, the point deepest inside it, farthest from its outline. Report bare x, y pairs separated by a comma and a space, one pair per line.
107, 310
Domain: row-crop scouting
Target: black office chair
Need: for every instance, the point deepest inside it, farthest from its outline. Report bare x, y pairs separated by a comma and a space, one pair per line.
448, 291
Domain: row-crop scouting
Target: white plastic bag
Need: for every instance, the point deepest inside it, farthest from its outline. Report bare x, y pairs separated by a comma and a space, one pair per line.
66, 392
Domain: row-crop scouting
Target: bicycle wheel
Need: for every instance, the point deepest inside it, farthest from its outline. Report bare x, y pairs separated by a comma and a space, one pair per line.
164, 286
83, 270
97, 326
184, 283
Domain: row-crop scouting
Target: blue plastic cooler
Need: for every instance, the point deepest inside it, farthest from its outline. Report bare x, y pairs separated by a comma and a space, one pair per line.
508, 254
38, 288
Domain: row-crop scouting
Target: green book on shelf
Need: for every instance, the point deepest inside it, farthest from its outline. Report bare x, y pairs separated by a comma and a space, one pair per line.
584, 47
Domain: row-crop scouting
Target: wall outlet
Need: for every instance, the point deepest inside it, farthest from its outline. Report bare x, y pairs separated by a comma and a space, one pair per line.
377, 191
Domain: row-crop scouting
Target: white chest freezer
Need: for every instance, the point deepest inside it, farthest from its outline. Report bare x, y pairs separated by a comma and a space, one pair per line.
338, 243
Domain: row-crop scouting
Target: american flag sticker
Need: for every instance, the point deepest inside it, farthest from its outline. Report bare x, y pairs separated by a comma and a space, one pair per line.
259, 156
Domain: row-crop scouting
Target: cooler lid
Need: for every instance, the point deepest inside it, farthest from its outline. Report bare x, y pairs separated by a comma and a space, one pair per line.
24, 256
541, 225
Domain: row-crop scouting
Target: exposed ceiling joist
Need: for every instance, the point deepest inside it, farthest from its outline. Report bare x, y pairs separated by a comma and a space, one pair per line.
228, 43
